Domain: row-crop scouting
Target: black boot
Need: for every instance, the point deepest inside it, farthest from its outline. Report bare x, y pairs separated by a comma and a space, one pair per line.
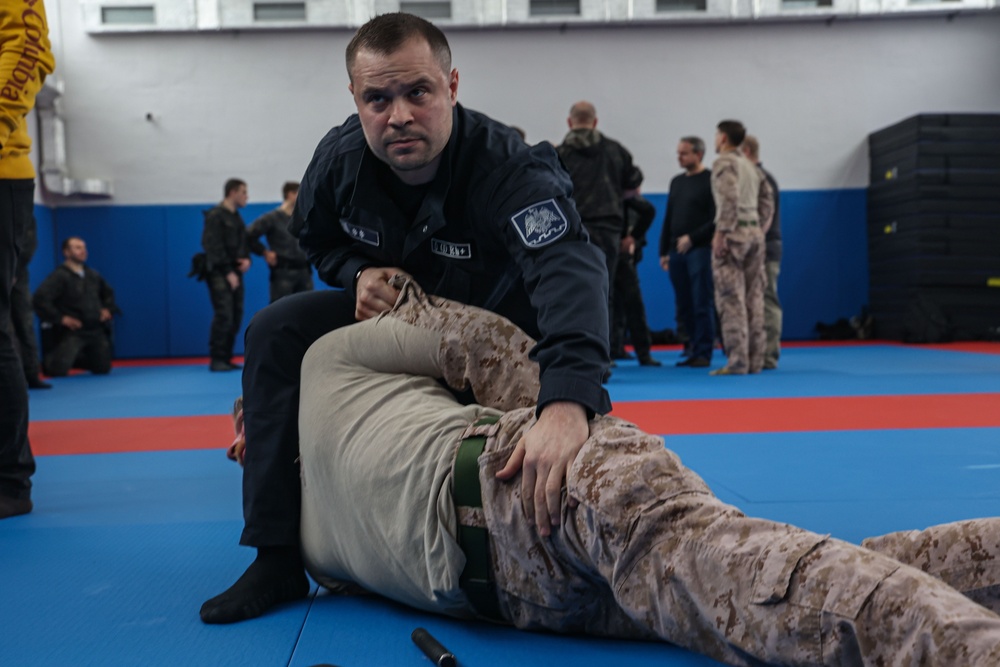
275, 576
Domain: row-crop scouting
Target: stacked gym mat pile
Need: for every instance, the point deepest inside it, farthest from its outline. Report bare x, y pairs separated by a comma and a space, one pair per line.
934, 228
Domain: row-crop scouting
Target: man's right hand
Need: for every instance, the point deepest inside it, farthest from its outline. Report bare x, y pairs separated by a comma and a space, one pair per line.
373, 293
684, 244
233, 280
665, 262
71, 323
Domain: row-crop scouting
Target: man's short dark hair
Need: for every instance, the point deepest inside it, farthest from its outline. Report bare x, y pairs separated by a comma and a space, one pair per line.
387, 32
231, 185
697, 145
288, 188
734, 131
65, 243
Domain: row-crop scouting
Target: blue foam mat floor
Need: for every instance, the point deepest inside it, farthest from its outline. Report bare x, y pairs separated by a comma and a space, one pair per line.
111, 567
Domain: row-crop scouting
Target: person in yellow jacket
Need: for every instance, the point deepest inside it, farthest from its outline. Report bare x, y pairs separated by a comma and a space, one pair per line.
25, 60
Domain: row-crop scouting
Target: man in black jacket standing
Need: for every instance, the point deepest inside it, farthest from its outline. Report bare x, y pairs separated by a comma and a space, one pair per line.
227, 258
76, 305
603, 177
290, 270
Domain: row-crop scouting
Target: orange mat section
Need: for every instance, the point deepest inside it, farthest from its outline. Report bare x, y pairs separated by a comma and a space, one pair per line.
745, 415
846, 413
106, 436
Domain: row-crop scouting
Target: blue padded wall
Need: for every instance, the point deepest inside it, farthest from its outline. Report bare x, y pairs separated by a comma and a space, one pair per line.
824, 269
145, 253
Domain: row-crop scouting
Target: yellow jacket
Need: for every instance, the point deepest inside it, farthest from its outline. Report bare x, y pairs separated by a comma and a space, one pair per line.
25, 60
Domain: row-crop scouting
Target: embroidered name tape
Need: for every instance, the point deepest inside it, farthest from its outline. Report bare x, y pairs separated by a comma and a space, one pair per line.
363, 234
540, 224
453, 250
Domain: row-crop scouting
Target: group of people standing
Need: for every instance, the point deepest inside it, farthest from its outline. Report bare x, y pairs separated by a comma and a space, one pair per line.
721, 244
228, 243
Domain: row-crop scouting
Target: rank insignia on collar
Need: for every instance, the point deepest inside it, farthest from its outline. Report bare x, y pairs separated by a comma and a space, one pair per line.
363, 234
540, 224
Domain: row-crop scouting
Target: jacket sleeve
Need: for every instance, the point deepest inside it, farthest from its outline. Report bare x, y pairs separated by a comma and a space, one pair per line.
704, 233
45, 297
107, 295
25, 60
765, 202
665, 232
213, 240
315, 220
259, 227
632, 176
565, 278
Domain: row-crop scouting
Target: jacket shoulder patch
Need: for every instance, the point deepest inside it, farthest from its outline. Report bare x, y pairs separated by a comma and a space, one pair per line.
540, 224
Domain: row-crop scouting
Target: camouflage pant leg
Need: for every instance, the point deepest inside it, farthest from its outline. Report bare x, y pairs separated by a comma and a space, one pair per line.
730, 300
965, 555
479, 350
772, 315
756, 281
650, 551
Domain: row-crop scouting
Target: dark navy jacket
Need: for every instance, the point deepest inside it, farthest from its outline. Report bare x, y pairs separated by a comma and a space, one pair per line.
497, 229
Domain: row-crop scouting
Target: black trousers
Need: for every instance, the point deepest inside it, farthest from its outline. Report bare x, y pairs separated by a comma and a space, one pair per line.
227, 304
16, 462
629, 310
89, 349
275, 343
23, 323
609, 240
290, 281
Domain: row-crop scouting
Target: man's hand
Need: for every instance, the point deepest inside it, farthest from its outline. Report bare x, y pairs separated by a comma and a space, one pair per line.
71, 323
373, 293
665, 262
271, 258
719, 248
684, 244
105, 314
627, 246
233, 280
543, 456
243, 264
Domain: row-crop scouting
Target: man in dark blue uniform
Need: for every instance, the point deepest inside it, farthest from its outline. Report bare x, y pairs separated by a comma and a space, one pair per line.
416, 184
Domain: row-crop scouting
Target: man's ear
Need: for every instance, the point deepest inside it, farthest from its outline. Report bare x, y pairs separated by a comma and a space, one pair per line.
453, 86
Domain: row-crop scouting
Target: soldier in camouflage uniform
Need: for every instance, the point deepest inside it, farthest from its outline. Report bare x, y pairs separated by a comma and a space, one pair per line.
644, 549
744, 205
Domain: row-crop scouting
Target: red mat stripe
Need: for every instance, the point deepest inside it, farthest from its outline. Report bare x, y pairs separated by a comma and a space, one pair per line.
848, 413
146, 434
761, 415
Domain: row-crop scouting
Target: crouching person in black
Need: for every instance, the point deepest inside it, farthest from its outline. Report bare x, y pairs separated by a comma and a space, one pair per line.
76, 306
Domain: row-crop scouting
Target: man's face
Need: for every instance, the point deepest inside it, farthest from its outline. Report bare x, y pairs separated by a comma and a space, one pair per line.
720, 141
76, 251
240, 196
292, 197
405, 102
686, 157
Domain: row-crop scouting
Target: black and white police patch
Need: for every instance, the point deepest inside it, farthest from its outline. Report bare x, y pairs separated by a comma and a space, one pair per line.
452, 250
540, 224
363, 234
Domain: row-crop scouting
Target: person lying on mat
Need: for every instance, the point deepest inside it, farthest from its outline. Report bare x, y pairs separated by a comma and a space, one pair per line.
407, 493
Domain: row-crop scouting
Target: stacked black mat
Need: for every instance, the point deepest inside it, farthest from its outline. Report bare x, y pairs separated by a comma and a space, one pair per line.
934, 228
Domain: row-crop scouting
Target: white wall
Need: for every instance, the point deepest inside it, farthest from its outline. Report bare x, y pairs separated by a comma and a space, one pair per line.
254, 104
